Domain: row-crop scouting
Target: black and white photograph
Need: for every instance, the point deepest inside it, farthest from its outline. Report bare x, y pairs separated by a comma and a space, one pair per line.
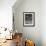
22, 22
28, 18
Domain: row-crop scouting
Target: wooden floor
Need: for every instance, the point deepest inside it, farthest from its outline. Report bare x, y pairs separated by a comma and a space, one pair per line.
9, 43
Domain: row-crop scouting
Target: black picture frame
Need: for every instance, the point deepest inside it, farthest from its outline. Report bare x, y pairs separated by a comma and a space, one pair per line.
28, 19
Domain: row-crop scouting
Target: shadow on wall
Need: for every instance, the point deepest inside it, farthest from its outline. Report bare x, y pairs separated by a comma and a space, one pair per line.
18, 2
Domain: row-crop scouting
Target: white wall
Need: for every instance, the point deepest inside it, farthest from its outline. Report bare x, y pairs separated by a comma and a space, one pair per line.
6, 13
43, 22
32, 33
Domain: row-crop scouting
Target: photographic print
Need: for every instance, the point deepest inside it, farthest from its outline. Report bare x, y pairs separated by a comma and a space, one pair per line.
28, 19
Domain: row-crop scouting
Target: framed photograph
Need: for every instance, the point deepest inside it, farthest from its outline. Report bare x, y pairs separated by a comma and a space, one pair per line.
28, 19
